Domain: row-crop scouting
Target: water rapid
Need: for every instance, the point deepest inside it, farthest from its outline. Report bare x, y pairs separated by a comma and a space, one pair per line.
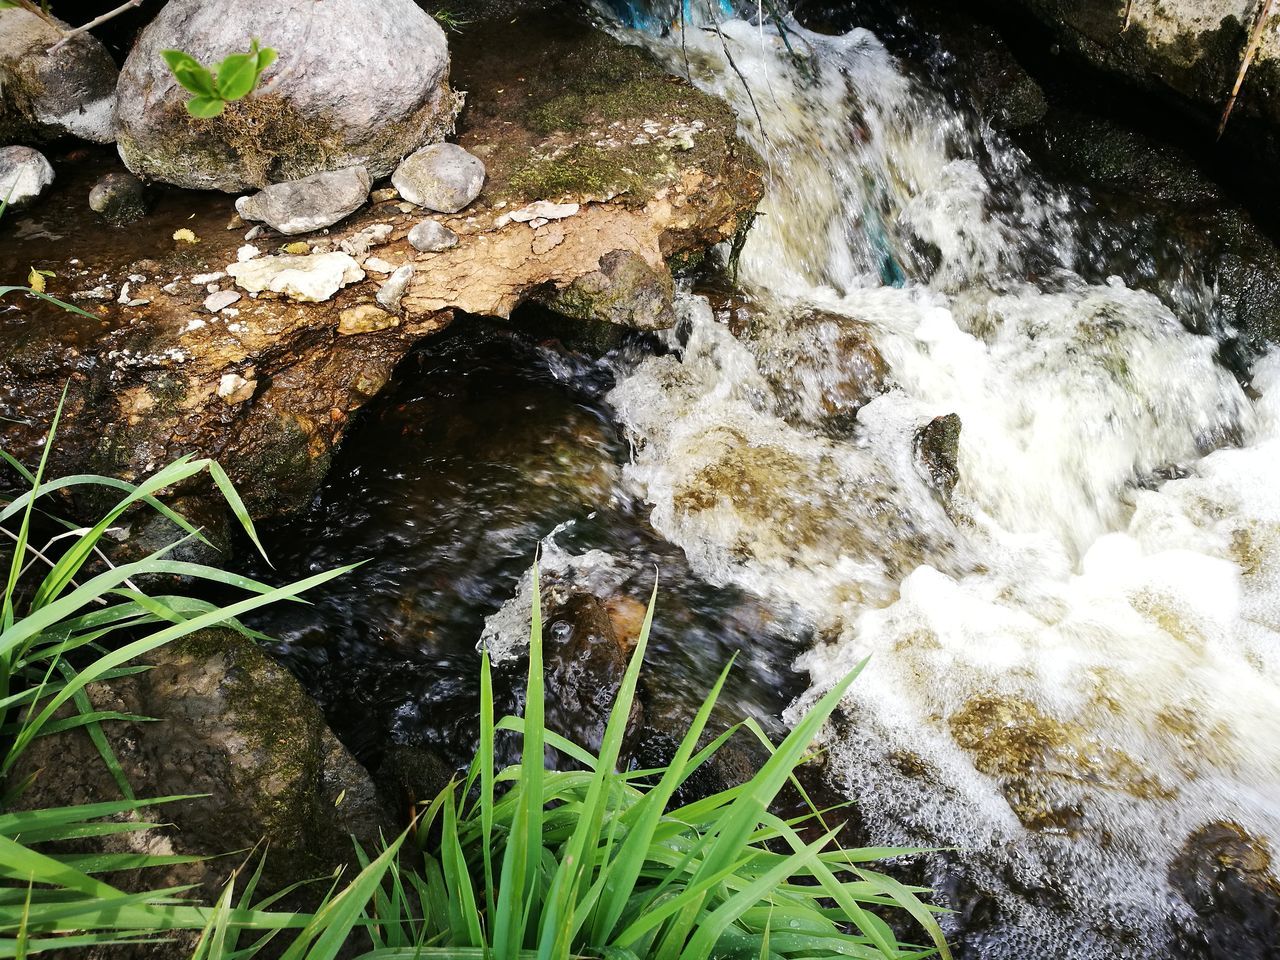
1072, 611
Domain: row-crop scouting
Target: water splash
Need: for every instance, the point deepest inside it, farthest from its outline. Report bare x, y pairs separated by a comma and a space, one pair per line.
1076, 642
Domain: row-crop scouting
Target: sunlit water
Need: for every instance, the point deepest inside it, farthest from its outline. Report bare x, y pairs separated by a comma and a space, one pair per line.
1075, 655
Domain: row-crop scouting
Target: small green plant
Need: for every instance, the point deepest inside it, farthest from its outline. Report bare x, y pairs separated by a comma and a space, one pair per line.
234, 78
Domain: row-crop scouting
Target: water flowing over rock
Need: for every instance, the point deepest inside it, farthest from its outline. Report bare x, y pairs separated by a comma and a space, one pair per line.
441, 177
1070, 613
44, 92
24, 175
232, 723
309, 204
357, 83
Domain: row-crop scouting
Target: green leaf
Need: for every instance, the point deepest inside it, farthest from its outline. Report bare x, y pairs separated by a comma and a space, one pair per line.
237, 75
187, 70
205, 108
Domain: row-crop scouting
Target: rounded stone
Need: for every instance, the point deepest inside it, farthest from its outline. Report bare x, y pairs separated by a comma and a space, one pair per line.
119, 197
357, 83
441, 177
24, 175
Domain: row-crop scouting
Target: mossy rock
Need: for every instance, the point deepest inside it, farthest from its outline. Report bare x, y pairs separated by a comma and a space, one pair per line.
230, 723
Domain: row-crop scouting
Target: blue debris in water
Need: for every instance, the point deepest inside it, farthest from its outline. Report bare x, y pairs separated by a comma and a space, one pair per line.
658, 18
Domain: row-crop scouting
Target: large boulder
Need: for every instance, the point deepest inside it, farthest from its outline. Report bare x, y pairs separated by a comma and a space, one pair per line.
231, 724
357, 83
47, 94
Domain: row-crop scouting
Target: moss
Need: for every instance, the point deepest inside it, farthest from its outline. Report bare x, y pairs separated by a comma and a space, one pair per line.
283, 468
587, 170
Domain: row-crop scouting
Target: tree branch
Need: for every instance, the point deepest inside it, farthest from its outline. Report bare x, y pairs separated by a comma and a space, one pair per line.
97, 21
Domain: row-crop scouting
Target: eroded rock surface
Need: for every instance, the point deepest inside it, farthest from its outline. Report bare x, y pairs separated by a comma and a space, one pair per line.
268, 384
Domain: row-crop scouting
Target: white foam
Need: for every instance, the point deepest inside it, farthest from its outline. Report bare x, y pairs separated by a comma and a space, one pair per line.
1125, 627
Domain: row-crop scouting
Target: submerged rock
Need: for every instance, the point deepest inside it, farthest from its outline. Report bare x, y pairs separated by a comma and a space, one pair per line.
441, 177
312, 203
24, 175
311, 278
356, 83
231, 723
120, 198
47, 94
1225, 875
585, 662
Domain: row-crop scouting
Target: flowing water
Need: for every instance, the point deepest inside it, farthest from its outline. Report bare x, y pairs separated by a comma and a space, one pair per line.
1074, 652
1072, 611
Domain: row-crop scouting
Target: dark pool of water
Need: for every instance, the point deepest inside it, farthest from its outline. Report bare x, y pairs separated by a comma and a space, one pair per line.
485, 443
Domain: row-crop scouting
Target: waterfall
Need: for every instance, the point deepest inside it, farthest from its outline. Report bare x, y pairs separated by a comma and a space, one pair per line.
1073, 611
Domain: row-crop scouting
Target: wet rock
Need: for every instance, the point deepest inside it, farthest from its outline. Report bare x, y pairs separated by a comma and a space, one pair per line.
356, 84
45, 95
1225, 875
1161, 183
825, 366
441, 177
312, 203
432, 237
312, 278
392, 290
24, 175
231, 723
120, 198
938, 451
625, 290
413, 776
585, 663
365, 318
1192, 47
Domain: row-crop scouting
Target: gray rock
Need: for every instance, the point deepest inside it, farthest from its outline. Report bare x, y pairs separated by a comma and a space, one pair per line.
357, 84
441, 177
120, 197
44, 95
937, 446
220, 300
24, 174
392, 290
432, 237
231, 723
312, 203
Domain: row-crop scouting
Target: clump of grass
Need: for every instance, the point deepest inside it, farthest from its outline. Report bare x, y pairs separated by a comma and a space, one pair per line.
526, 861
521, 861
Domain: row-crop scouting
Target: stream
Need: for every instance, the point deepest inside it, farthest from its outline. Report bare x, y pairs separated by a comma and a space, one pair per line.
1072, 627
